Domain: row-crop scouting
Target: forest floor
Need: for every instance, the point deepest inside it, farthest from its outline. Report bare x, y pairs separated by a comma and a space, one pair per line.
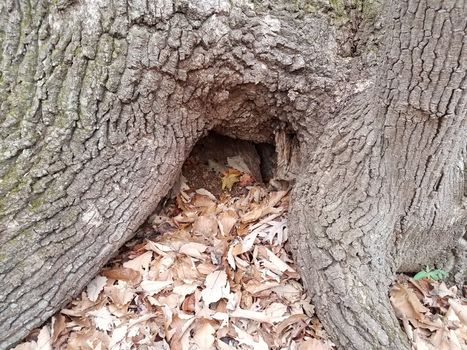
211, 270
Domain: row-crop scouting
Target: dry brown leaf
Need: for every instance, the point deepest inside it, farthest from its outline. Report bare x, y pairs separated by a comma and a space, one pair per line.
122, 274
120, 294
289, 321
239, 164
206, 268
420, 343
227, 220
245, 338
460, 310
154, 287
58, 326
206, 225
223, 346
313, 344
102, 318
43, 339
277, 263
258, 213
204, 201
193, 249
255, 287
88, 339
185, 289
406, 304
443, 291
276, 197
246, 244
140, 263
204, 334
118, 334
95, 287
276, 311
445, 339
288, 291
251, 315
215, 287
205, 192
188, 304
246, 180
180, 335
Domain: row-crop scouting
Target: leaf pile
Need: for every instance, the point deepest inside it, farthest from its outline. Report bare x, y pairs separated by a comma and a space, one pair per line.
432, 315
216, 277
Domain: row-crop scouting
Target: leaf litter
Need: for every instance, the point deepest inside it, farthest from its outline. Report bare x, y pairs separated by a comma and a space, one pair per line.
433, 316
218, 276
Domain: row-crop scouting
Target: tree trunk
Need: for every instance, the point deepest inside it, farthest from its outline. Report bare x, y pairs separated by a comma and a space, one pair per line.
102, 101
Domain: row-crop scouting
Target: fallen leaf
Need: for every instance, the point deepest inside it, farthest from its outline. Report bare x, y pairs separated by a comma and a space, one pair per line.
58, 326
245, 338
227, 220
122, 274
278, 264
460, 310
189, 297
204, 335
203, 201
406, 304
229, 178
224, 346
215, 166
289, 321
102, 318
204, 192
246, 244
95, 287
215, 287
288, 291
259, 212
43, 339
118, 335
206, 225
193, 249
154, 287
185, 289
246, 180
313, 344
276, 312
140, 263
120, 294
251, 315
238, 163
445, 339
421, 343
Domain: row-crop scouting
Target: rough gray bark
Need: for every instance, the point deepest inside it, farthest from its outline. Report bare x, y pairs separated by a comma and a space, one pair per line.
101, 102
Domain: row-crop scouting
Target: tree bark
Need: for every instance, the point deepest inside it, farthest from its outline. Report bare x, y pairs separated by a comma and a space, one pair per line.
102, 101
387, 190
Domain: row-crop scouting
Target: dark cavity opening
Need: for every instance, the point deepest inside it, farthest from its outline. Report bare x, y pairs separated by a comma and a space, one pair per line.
215, 154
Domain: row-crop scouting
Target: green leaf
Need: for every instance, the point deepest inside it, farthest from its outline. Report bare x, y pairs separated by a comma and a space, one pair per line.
436, 274
420, 275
